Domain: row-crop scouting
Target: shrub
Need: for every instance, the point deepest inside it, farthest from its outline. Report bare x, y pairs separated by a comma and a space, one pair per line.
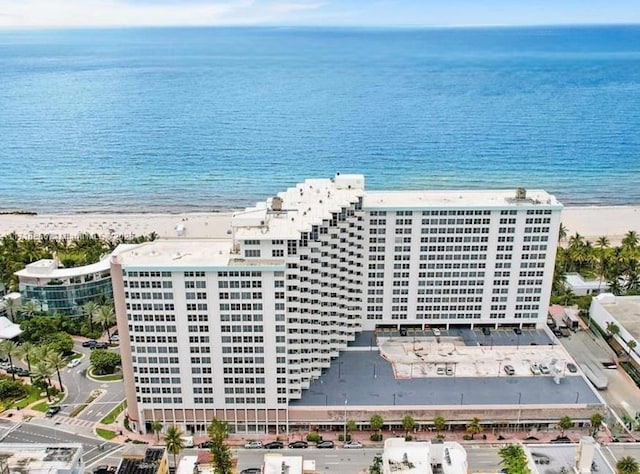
376, 437
11, 390
314, 437
341, 437
408, 437
467, 437
104, 362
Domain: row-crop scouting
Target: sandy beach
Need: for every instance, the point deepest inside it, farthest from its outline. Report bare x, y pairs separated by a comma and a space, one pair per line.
590, 222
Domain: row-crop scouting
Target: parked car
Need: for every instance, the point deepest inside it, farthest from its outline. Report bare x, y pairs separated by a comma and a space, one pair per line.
352, 444
89, 343
274, 445
436, 332
100, 345
440, 370
251, 470
572, 368
557, 333
11, 370
325, 445
535, 370
450, 371
205, 445
518, 331
115, 338
544, 368
486, 331
298, 445
104, 469
253, 444
74, 363
22, 372
5, 365
53, 410
509, 370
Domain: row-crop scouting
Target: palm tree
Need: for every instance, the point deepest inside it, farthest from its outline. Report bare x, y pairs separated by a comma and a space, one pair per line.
613, 328
602, 243
514, 459
627, 465
89, 309
56, 361
351, 426
564, 424
474, 427
630, 240
174, 442
11, 306
42, 353
105, 317
408, 423
156, 428
596, 423
562, 234
31, 308
42, 372
9, 348
27, 351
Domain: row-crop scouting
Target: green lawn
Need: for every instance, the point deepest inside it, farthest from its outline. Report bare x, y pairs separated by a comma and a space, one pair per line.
106, 378
75, 355
42, 406
113, 414
33, 396
106, 434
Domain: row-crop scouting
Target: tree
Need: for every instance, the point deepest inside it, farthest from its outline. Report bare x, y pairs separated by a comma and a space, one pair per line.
376, 466
105, 317
627, 465
596, 423
408, 423
59, 342
514, 459
564, 424
439, 423
156, 428
351, 426
630, 240
220, 452
104, 362
376, 421
27, 351
89, 309
42, 374
11, 306
56, 362
9, 348
631, 345
474, 427
562, 234
613, 328
31, 308
174, 442
37, 328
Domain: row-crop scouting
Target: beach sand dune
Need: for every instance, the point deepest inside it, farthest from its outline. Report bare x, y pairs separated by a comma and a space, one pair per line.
590, 222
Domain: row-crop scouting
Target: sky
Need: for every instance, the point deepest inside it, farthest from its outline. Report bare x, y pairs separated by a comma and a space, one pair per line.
410, 13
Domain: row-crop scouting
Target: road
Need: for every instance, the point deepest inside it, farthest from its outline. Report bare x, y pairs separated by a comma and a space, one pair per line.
32, 432
80, 387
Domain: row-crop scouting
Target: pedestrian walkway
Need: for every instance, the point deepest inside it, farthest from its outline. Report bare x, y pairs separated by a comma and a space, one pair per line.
66, 420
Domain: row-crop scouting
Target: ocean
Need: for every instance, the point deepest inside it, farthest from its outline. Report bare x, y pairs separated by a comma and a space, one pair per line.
195, 119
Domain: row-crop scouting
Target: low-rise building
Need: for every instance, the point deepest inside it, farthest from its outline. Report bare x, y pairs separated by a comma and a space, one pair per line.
30, 458
418, 457
140, 459
276, 463
581, 287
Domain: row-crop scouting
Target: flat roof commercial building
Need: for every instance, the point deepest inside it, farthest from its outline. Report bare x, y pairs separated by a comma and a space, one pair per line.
36, 458
208, 326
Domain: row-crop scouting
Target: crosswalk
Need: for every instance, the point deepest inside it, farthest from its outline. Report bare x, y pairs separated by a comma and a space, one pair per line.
67, 420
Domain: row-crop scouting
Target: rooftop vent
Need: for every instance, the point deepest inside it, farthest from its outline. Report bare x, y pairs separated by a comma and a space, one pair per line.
276, 204
521, 194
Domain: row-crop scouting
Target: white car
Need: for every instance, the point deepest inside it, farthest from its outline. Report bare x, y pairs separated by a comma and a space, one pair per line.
436, 332
544, 368
535, 370
253, 445
73, 363
352, 444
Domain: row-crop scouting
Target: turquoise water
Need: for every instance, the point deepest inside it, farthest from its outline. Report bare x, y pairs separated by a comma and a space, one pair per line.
196, 119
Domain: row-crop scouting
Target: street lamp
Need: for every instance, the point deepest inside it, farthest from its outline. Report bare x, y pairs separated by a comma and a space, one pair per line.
326, 399
499, 367
339, 369
345, 420
374, 371
394, 398
577, 397
519, 407
461, 398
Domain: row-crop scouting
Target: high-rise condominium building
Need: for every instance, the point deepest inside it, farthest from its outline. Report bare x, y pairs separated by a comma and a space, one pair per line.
236, 328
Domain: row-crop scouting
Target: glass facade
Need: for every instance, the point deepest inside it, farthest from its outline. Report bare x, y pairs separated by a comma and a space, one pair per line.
60, 297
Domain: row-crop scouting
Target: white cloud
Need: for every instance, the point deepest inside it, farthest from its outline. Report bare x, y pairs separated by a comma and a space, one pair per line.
102, 13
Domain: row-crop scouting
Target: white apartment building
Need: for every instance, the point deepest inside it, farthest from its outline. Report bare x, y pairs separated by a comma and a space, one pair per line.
235, 328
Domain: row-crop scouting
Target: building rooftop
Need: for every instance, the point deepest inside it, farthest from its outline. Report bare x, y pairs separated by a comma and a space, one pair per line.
364, 378
411, 457
23, 458
576, 281
48, 269
275, 463
625, 309
141, 460
457, 198
177, 253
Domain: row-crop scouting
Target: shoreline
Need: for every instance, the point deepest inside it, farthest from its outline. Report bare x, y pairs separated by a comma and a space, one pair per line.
589, 221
